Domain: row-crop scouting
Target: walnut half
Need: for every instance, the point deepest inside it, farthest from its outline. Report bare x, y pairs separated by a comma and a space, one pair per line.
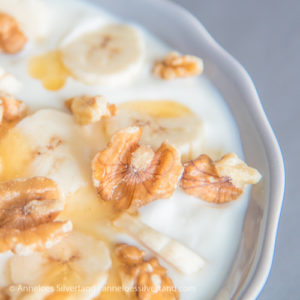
218, 182
28, 210
12, 39
174, 65
90, 109
133, 175
146, 278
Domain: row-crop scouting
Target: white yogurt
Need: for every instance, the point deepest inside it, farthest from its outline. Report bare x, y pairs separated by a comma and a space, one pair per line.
213, 231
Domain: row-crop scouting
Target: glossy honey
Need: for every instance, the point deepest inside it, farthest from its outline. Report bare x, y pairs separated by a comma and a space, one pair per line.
49, 69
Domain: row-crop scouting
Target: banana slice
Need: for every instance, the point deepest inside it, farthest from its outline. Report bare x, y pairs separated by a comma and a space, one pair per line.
184, 132
76, 268
8, 83
176, 254
56, 143
111, 55
34, 16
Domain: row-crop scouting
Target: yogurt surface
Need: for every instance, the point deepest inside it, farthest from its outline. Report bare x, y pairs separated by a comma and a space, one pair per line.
212, 231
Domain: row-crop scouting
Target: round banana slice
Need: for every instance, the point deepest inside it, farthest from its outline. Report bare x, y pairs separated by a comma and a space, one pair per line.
182, 129
111, 55
76, 268
56, 149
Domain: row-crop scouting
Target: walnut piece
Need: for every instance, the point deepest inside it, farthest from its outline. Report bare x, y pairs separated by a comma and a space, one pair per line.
12, 39
129, 254
28, 210
90, 109
11, 109
146, 278
231, 166
132, 175
218, 182
175, 65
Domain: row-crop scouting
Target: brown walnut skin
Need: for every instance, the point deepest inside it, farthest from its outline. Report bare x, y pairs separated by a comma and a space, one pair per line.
138, 272
28, 210
201, 179
119, 174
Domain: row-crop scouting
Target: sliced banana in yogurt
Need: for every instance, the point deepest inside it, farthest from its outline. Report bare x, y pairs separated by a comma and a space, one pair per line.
111, 55
57, 153
182, 130
176, 254
79, 262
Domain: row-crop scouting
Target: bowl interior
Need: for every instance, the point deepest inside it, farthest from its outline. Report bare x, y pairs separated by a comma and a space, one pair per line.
183, 32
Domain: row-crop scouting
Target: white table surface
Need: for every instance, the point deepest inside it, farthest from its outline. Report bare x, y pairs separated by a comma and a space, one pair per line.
264, 35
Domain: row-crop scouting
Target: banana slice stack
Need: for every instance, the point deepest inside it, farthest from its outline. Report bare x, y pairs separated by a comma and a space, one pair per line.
111, 55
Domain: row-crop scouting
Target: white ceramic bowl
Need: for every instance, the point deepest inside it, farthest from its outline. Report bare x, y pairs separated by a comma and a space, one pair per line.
184, 32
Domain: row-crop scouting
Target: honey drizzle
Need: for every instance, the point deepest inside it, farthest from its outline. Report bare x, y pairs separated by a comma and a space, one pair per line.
15, 153
49, 69
158, 108
93, 216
